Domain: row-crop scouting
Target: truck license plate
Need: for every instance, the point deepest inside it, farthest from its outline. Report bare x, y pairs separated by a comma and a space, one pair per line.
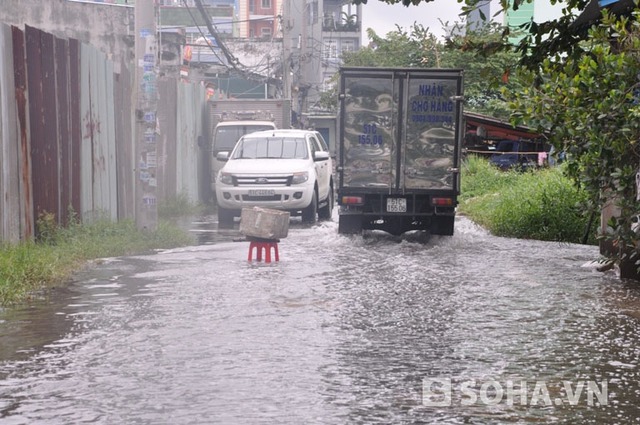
261, 192
396, 205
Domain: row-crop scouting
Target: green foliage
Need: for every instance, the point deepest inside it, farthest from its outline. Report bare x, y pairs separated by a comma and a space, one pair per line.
541, 204
399, 48
561, 36
486, 73
485, 77
46, 227
177, 206
29, 267
589, 107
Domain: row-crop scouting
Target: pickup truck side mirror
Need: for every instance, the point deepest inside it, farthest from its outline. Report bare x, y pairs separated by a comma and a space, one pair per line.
320, 156
222, 156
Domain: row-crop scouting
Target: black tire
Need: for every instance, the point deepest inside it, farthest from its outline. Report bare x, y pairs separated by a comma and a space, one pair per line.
325, 212
310, 214
225, 218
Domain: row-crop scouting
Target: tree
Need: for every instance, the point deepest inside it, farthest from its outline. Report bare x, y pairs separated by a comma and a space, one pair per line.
590, 107
541, 40
485, 75
398, 48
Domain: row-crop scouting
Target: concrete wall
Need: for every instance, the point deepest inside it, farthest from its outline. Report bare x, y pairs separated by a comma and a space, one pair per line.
107, 27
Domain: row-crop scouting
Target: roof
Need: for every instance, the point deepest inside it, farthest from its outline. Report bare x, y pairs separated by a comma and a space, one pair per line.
592, 13
291, 132
498, 129
244, 122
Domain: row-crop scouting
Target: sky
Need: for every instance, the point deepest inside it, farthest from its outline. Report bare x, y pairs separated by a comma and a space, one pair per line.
382, 17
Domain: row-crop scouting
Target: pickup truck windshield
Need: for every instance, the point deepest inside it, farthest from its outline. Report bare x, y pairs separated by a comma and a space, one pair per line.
226, 136
279, 148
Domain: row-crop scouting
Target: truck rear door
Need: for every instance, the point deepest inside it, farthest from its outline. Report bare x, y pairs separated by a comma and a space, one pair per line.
401, 129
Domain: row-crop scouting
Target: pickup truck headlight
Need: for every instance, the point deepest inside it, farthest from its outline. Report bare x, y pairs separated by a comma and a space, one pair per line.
300, 177
225, 178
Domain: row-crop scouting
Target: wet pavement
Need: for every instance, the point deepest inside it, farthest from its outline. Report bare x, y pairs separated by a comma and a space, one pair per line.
342, 330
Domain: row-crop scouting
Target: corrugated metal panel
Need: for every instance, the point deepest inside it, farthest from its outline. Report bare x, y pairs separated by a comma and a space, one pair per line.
108, 139
64, 130
43, 123
76, 123
167, 140
27, 226
98, 152
9, 148
88, 128
180, 114
202, 150
124, 143
187, 142
66, 127
99, 180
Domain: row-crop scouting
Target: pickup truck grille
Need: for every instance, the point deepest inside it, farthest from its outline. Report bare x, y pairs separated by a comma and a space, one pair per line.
262, 180
261, 198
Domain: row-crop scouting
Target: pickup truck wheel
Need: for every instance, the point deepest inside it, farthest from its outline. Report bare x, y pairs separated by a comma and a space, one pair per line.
324, 213
309, 214
225, 218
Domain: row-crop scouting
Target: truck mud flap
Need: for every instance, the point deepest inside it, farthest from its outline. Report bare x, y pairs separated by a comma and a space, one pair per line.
442, 225
350, 224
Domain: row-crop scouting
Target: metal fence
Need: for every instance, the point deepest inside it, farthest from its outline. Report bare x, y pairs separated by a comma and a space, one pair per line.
67, 133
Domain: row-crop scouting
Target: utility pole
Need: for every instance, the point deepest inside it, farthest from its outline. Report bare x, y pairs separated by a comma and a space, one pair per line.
286, 49
145, 95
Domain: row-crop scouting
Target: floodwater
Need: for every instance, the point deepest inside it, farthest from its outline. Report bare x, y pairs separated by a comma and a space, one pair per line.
469, 329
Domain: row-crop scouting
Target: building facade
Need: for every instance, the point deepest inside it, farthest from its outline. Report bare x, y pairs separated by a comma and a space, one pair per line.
321, 31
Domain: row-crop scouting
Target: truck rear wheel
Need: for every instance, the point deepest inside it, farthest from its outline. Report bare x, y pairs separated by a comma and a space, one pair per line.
350, 224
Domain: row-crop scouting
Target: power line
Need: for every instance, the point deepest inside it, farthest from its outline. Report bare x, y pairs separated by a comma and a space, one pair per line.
230, 58
200, 30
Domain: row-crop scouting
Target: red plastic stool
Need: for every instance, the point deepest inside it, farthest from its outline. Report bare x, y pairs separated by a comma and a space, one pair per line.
265, 245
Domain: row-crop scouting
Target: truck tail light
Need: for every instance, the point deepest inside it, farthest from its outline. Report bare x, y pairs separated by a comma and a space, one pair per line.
352, 200
442, 202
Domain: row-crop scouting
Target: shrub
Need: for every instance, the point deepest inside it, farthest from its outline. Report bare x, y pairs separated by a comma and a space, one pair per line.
539, 204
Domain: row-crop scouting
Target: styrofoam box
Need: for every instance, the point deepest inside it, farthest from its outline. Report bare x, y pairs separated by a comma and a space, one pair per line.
264, 223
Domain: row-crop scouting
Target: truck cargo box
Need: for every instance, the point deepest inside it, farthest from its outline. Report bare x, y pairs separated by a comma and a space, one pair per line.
401, 132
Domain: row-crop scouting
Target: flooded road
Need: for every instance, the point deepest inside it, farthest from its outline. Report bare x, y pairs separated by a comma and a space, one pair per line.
343, 330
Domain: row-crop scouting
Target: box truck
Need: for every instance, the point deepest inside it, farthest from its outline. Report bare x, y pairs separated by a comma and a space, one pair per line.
400, 138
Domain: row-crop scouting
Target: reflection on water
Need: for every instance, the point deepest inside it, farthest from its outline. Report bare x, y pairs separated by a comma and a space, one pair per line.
344, 329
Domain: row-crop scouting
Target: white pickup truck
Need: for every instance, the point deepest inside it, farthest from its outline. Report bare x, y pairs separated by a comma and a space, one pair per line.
287, 170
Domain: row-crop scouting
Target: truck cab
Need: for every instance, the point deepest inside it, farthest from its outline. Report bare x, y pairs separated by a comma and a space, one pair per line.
230, 128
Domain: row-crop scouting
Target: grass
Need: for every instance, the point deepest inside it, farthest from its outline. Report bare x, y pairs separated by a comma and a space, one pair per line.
30, 267
540, 204
178, 206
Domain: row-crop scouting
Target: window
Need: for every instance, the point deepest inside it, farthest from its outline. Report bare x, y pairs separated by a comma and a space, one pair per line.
265, 32
276, 148
330, 50
266, 4
314, 146
347, 46
312, 13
